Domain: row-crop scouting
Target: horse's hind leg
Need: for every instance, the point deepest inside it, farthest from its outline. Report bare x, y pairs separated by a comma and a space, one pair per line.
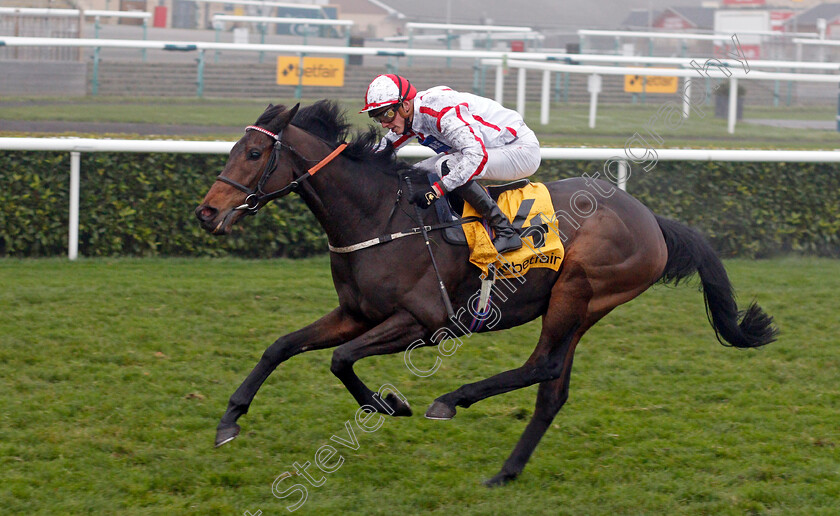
563, 324
551, 397
331, 330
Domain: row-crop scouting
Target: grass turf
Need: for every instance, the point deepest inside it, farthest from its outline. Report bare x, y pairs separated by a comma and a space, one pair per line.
115, 372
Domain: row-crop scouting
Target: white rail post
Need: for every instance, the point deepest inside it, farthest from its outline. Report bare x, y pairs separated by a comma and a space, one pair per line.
520, 92
594, 89
218, 26
733, 104
686, 97
500, 84
821, 26
410, 43
622, 175
545, 101
80, 30
73, 237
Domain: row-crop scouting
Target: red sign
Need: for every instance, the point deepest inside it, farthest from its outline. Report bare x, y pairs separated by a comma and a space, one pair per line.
160, 17
751, 51
778, 19
517, 45
833, 30
672, 22
727, 51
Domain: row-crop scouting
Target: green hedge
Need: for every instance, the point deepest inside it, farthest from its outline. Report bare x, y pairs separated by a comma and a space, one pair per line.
137, 205
753, 210
142, 205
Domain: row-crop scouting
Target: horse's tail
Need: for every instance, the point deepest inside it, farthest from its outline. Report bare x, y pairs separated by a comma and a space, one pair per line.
688, 252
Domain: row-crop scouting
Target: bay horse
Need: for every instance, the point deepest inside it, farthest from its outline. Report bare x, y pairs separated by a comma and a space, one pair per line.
388, 294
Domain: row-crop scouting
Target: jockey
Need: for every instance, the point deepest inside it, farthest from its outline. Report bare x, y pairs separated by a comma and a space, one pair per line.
479, 138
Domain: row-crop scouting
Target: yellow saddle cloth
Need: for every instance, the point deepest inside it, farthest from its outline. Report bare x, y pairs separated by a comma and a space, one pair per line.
526, 207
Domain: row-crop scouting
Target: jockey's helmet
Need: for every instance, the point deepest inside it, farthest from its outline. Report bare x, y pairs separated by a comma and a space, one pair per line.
387, 90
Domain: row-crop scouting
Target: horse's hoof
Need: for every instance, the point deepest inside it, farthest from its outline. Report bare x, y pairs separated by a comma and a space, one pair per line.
226, 434
500, 479
441, 411
399, 407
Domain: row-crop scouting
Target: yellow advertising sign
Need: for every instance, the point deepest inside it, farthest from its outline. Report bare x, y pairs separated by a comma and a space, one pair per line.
317, 71
652, 84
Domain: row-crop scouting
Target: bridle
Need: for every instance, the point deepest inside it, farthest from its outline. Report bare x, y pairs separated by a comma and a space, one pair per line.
257, 197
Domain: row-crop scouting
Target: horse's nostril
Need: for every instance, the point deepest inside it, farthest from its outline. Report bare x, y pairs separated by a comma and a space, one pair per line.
205, 213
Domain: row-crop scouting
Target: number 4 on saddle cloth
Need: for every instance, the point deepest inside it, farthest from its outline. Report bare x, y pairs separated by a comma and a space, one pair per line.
528, 206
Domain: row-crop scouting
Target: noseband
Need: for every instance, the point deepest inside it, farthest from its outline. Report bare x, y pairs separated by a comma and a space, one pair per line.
257, 197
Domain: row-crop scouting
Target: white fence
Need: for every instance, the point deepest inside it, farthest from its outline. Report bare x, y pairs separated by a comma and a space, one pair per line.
75, 146
701, 71
727, 68
401, 52
717, 38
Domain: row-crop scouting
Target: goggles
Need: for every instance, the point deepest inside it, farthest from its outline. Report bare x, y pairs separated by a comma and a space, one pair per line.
387, 116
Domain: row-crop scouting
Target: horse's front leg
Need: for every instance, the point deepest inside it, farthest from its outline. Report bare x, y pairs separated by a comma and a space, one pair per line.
331, 330
393, 335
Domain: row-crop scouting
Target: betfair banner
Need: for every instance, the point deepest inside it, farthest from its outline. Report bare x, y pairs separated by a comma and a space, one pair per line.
650, 84
317, 71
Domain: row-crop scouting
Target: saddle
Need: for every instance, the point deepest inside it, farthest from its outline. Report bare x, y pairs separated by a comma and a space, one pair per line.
451, 209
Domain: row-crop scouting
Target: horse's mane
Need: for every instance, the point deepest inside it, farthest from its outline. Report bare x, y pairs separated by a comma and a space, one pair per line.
326, 120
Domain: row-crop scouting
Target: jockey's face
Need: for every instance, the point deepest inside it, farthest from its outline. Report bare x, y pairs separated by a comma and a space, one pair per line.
399, 122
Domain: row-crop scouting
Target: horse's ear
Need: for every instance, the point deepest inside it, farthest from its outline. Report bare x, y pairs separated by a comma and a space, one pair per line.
294, 111
282, 119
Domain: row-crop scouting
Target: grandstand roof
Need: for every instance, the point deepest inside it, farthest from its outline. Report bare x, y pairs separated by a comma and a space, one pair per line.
699, 17
639, 19
540, 14
809, 17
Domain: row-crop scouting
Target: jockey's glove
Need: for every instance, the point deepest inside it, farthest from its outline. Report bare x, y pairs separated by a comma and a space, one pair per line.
424, 197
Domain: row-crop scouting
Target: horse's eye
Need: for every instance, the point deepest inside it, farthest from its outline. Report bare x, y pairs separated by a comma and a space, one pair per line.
254, 154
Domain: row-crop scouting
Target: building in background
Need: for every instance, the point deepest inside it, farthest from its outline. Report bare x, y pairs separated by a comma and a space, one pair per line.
372, 19
640, 19
808, 21
692, 19
554, 19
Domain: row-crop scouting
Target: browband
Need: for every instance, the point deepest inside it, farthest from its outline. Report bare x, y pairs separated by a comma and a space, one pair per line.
264, 131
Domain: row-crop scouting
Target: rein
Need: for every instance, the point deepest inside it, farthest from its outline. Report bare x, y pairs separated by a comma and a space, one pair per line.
257, 197
387, 237
394, 236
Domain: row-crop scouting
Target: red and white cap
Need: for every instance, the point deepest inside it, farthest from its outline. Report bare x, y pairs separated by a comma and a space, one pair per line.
386, 90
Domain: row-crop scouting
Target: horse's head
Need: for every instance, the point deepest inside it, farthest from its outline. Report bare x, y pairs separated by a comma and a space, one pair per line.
257, 171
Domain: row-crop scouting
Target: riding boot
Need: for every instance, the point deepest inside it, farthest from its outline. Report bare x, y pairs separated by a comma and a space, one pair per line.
507, 239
